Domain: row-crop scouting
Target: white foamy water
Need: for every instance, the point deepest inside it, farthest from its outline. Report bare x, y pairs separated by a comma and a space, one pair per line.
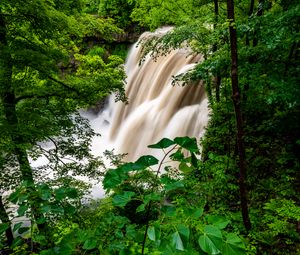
156, 109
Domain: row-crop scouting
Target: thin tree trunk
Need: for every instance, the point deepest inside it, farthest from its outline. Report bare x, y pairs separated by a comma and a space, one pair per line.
259, 13
5, 219
251, 9
217, 79
238, 114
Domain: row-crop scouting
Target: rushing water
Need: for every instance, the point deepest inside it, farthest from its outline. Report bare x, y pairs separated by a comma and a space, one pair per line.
156, 108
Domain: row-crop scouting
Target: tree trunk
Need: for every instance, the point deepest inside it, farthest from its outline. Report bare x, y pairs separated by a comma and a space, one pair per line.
5, 219
259, 14
238, 114
7, 96
251, 9
217, 79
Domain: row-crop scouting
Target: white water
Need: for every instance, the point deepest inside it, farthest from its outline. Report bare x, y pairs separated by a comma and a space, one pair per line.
156, 109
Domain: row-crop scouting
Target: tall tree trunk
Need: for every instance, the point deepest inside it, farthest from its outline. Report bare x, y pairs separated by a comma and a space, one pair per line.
5, 219
217, 79
238, 114
7, 96
259, 13
251, 9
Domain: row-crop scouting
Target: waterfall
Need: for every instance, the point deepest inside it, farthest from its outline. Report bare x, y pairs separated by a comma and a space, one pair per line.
156, 108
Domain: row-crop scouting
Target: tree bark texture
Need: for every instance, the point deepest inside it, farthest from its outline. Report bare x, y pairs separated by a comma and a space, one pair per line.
5, 219
217, 78
238, 114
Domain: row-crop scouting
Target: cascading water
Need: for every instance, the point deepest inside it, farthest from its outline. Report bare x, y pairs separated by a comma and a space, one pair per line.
156, 108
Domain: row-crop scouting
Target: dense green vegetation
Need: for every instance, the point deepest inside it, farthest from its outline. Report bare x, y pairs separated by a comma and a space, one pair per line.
241, 197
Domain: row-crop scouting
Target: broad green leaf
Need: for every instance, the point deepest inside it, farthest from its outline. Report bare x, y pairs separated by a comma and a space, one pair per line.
90, 244
233, 245
23, 230
218, 221
17, 242
194, 160
177, 242
141, 208
152, 197
145, 161
13, 197
130, 231
113, 178
45, 192
183, 230
60, 194
3, 227
45, 208
72, 192
162, 144
177, 156
198, 213
123, 199
41, 220
211, 240
174, 186
187, 143
151, 233
22, 209
70, 209
17, 226
183, 167
57, 209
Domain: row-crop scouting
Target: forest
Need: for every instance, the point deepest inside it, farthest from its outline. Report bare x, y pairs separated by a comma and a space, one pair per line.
235, 191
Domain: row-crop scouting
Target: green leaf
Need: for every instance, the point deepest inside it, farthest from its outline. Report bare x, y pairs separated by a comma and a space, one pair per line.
218, 221
90, 244
141, 208
130, 232
72, 192
45, 208
183, 230
174, 186
41, 220
145, 161
183, 167
17, 242
177, 156
196, 213
233, 245
113, 178
3, 227
194, 160
22, 209
162, 144
152, 197
187, 143
45, 192
13, 197
60, 194
177, 242
151, 233
123, 199
17, 226
211, 240
23, 230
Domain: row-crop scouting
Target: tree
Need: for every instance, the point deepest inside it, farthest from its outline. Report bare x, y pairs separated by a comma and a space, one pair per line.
44, 78
236, 97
